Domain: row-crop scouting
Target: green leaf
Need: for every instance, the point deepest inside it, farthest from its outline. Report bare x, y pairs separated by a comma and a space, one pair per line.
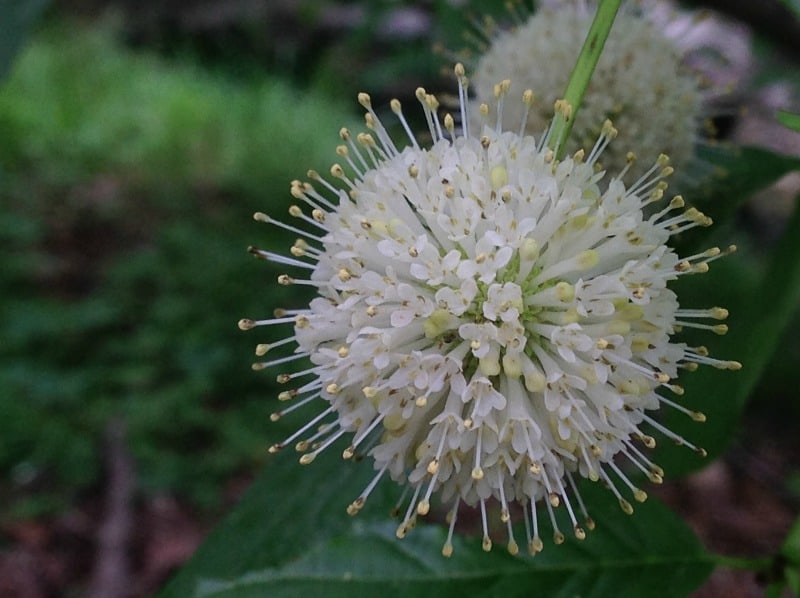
792, 5
791, 551
291, 537
774, 590
789, 120
759, 313
17, 17
791, 546
793, 579
736, 173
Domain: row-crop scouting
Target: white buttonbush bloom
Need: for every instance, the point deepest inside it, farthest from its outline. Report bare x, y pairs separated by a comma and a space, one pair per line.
642, 82
491, 322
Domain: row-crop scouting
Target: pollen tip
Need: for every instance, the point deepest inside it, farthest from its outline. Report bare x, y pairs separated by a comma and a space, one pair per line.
698, 416
365, 100
447, 550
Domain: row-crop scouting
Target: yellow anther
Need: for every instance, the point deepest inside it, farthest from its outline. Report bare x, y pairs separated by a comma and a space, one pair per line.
528, 97
608, 129
564, 108
449, 124
718, 313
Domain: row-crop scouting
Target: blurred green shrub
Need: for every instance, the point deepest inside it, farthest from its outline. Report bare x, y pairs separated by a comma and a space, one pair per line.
128, 189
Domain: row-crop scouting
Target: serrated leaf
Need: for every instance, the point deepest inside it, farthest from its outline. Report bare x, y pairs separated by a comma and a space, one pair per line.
759, 313
291, 537
789, 120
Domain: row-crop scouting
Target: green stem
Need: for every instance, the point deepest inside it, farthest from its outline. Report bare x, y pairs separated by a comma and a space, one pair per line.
582, 73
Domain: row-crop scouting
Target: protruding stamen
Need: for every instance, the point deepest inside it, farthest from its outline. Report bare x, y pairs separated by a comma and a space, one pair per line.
487, 542
452, 516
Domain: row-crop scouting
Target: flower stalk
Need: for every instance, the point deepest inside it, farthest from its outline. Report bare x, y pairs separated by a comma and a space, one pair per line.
582, 74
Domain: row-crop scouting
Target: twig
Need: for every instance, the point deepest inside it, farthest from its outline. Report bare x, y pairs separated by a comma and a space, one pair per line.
111, 576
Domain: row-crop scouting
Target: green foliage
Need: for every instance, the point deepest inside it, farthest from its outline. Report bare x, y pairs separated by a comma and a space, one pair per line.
133, 117
791, 552
792, 5
735, 174
305, 544
127, 202
790, 120
17, 17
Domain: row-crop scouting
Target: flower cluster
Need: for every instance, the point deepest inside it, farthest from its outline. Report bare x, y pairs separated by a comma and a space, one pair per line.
492, 322
641, 82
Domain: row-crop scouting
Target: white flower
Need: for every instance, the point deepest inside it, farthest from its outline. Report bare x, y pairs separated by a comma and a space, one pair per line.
491, 321
642, 81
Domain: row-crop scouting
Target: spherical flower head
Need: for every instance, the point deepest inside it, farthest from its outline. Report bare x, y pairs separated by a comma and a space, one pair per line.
491, 322
641, 83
